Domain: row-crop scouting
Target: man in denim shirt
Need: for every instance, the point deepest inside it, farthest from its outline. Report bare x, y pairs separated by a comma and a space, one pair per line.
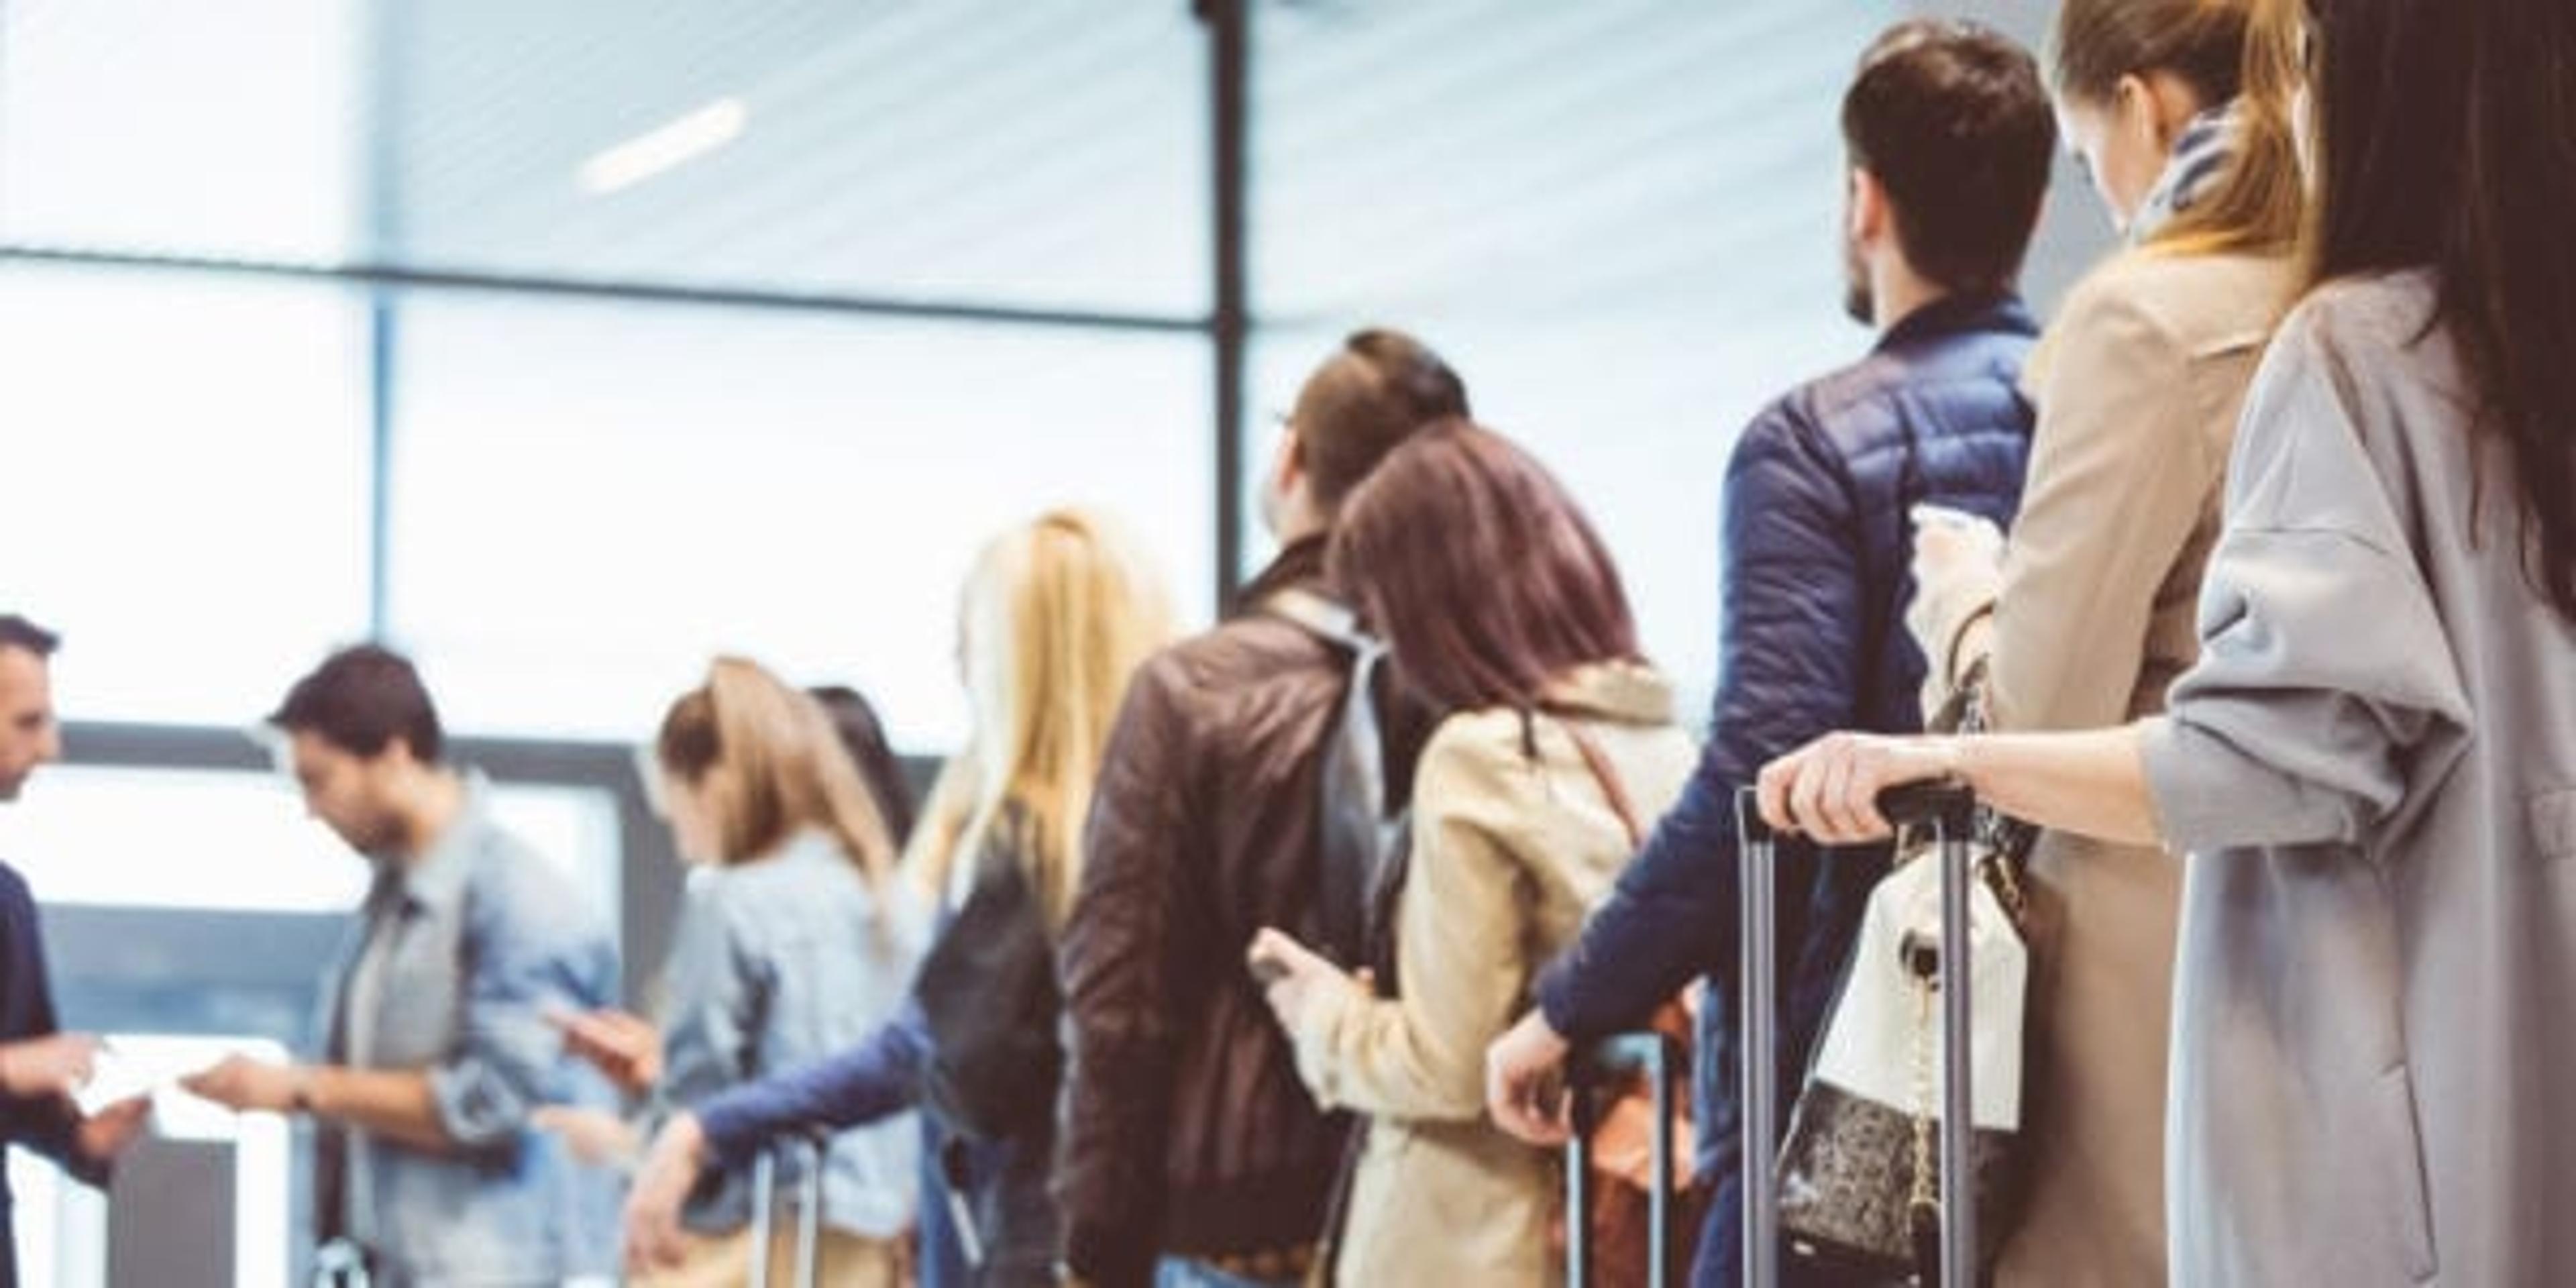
427, 1166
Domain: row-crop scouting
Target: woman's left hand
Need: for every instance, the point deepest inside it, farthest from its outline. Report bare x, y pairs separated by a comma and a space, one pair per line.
1828, 790
1292, 975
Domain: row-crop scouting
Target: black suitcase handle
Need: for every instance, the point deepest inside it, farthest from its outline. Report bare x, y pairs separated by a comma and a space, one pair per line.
1949, 807
1656, 1057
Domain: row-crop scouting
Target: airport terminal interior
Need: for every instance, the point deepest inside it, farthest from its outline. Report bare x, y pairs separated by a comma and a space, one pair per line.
563, 347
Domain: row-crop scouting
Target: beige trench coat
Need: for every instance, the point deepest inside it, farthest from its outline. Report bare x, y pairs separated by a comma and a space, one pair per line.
2138, 383
1509, 853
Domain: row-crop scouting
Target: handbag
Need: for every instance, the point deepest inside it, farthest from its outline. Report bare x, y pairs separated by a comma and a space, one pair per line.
1858, 1177
1622, 1137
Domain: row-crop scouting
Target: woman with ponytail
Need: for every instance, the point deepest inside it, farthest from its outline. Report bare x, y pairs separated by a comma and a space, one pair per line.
2182, 122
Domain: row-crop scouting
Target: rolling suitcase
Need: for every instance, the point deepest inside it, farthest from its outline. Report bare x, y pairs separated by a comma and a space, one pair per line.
809, 1211
1608, 1063
1948, 811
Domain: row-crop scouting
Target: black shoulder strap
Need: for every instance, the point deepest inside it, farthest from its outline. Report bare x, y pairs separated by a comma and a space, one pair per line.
1357, 837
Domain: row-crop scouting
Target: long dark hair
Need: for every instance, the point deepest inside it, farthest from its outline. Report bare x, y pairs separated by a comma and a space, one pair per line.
862, 735
1484, 577
2446, 138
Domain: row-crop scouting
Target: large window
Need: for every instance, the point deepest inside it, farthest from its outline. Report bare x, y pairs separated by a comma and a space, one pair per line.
595, 500
213, 840
1625, 252
186, 484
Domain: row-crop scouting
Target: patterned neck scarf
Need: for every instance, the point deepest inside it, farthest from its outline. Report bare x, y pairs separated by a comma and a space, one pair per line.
2199, 158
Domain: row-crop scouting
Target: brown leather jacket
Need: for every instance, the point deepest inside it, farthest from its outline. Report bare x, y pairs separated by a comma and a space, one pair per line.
1187, 1132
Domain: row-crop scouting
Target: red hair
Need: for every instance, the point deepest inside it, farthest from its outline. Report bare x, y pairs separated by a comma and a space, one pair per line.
1479, 570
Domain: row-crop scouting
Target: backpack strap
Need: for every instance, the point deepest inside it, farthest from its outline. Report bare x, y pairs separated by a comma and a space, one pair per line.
1361, 845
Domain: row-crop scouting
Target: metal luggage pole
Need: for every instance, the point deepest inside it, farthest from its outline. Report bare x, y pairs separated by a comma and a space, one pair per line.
1760, 1074
1653, 1056
1578, 1177
1950, 808
809, 1213
1659, 1236
1958, 1106
764, 1187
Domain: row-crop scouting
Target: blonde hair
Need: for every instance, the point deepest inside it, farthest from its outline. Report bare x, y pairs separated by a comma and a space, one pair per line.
2225, 50
1056, 616
769, 764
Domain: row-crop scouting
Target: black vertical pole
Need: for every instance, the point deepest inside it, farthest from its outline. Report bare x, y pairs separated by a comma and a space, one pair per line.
1229, 127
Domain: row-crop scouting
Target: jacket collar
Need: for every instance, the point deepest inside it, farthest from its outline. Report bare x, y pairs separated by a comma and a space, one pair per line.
1962, 314
1300, 564
436, 881
1628, 692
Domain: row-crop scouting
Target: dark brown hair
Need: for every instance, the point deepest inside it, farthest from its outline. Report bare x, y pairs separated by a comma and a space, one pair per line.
2446, 139
1952, 121
863, 735
363, 700
2213, 46
1378, 389
19, 633
1483, 576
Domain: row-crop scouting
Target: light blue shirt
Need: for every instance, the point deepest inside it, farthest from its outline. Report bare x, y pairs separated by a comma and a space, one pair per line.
778, 963
450, 971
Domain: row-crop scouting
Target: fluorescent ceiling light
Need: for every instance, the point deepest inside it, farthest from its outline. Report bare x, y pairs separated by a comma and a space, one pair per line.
664, 147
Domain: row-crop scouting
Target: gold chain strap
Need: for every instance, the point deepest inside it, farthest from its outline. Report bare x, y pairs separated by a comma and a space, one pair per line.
1926, 1089
2008, 891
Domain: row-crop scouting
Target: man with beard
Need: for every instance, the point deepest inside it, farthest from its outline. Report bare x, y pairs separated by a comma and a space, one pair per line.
1949, 136
427, 1168
40, 1068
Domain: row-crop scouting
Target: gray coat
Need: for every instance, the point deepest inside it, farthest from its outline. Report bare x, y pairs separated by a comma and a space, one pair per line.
2374, 768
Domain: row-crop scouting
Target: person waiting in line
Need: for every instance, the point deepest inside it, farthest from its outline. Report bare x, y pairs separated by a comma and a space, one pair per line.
40, 1067
2372, 764
429, 1165
795, 940
628, 1047
1056, 616
1949, 139
1192, 1156
1502, 609
2087, 616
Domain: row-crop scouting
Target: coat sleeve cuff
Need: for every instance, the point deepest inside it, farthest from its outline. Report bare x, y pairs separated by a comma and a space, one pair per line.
2188, 779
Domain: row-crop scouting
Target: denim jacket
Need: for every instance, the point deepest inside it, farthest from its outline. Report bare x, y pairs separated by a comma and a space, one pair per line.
486, 937
778, 963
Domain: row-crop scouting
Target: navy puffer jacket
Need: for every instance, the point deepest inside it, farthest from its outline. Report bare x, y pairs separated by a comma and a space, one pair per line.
1811, 639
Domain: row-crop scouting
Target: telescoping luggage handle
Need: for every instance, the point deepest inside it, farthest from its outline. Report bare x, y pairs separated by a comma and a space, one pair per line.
1655, 1056
809, 1210
1949, 809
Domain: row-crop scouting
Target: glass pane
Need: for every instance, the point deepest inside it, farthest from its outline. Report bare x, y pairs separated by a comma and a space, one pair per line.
1048, 153
227, 840
199, 129
1625, 257
595, 499
187, 485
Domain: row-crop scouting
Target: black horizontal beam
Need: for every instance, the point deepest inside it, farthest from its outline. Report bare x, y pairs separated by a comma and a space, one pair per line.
396, 277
